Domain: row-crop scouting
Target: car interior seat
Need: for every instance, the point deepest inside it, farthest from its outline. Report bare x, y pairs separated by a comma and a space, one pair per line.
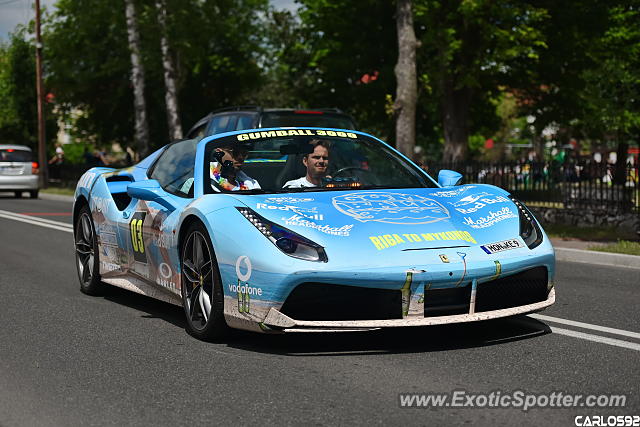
293, 169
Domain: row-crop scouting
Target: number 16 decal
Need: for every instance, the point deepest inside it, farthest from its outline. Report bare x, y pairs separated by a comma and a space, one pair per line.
137, 240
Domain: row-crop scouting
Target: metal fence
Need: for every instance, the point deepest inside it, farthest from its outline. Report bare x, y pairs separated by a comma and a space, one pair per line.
67, 174
569, 186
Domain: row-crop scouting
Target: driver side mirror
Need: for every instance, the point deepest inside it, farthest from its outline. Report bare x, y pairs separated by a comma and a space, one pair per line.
149, 190
448, 178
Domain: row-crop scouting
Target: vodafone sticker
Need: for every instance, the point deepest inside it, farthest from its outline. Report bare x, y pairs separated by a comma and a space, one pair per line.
243, 263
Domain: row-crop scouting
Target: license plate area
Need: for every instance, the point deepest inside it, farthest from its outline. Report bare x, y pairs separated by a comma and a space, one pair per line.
10, 170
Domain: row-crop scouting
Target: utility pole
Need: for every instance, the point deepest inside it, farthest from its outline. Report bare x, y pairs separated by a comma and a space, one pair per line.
42, 146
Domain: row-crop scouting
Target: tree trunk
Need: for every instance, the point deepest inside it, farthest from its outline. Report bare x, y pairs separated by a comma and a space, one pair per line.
171, 94
456, 104
141, 136
407, 86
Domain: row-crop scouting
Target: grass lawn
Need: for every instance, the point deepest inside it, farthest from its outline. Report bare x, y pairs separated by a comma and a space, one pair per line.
593, 234
620, 247
614, 240
58, 190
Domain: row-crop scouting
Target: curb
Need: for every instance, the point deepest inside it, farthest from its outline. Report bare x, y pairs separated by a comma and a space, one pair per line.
598, 258
59, 197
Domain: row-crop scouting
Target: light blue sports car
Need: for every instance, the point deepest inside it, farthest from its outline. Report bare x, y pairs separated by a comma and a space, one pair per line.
308, 229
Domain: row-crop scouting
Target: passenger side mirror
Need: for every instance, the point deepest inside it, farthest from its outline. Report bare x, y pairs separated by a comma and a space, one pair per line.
149, 190
448, 178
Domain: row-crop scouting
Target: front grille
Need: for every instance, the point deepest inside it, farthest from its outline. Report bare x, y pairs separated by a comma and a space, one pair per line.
322, 301
523, 288
447, 302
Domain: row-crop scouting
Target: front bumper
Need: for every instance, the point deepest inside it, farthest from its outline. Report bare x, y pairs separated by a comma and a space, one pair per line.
278, 321
18, 182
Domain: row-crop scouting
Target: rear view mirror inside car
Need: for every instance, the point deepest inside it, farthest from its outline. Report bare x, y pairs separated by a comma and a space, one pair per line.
296, 149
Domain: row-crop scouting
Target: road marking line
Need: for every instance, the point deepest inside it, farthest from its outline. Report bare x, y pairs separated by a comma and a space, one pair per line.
33, 218
596, 338
56, 225
46, 213
586, 326
28, 220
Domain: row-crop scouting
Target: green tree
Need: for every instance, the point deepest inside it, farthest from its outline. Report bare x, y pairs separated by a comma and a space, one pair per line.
470, 48
141, 125
466, 49
586, 83
344, 56
216, 45
554, 84
407, 84
18, 108
284, 61
171, 95
612, 86
87, 66
612, 92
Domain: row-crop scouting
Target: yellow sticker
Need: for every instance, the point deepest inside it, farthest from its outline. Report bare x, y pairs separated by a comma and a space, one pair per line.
384, 241
295, 132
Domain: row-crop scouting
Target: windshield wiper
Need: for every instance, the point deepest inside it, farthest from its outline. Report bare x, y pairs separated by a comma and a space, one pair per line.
259, 191
379, 187
252, 191
364, 187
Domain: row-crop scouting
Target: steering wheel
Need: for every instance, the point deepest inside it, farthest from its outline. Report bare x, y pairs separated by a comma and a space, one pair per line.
349, 168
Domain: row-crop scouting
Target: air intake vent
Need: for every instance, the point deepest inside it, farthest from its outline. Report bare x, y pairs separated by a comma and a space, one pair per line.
322, 301
447, 302
523, 288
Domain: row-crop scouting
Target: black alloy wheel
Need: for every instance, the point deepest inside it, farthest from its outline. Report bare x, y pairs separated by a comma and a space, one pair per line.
202, 296
87, 257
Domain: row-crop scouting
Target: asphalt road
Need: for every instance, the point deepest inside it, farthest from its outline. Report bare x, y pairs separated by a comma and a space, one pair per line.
68, 359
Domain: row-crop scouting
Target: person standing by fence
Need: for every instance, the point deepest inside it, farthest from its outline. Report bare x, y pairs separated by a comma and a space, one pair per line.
56, 163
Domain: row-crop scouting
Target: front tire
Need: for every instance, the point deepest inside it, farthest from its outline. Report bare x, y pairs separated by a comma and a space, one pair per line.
18, 194
202, 296
87, 255
33, 194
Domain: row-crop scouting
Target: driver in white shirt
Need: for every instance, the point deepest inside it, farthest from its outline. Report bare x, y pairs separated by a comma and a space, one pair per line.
317, 164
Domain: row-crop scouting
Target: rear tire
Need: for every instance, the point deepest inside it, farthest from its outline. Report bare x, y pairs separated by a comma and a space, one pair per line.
202, 296
18, 194
87, 255
33, 194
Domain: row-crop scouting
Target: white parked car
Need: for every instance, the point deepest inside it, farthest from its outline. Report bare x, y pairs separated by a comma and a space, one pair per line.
18, 170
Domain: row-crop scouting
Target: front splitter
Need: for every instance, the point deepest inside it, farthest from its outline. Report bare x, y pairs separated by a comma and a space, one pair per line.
277, 320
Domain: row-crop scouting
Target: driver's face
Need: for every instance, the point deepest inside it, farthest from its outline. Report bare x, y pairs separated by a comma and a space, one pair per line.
317, 162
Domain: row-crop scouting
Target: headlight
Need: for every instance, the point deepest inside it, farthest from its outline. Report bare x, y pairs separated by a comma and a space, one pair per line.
529, 229
286, 240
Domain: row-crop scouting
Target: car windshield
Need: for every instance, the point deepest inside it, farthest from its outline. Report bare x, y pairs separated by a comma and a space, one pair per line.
305, 118
298, 160
14, 155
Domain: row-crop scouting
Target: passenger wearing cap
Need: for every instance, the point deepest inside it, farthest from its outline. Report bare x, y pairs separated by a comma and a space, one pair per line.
226, 171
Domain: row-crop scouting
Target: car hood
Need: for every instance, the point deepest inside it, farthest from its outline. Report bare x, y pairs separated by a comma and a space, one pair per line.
388, 221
